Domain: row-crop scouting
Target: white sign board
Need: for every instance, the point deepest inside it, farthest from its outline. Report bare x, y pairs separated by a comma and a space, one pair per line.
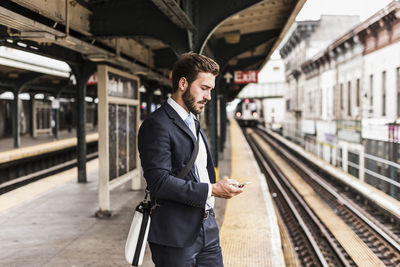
118, 114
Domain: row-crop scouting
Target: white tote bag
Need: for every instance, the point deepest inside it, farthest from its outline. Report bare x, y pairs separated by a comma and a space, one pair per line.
136, 242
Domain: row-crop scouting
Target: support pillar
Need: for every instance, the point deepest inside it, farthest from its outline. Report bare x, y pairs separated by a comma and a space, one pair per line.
56, 108
223, 120
56, 123
15, 119
31, 113
213, 125
23, 81
82, 73
149, 98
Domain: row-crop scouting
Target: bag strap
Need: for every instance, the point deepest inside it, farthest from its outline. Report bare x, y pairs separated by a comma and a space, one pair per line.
185, 169
188, 166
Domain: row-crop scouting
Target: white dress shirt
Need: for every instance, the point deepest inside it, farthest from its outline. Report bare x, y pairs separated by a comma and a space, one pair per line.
201, 160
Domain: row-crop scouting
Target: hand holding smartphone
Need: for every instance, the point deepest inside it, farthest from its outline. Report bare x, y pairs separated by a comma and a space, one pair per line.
242, 184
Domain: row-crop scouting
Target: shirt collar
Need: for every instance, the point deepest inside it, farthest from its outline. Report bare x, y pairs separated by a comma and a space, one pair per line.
179, 109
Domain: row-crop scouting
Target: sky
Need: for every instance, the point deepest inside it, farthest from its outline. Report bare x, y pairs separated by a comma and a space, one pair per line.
312, 9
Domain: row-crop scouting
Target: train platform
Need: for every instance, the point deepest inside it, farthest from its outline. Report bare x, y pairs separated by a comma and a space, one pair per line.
249, 234
7, 144
51, 222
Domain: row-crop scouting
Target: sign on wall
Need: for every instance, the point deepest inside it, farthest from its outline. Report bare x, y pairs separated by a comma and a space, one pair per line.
118, 114
245, 76
349, 130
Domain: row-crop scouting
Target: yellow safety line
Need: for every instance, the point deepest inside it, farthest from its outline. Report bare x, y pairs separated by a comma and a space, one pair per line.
246, 230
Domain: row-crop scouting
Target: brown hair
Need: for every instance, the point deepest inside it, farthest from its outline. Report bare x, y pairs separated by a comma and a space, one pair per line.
189, 65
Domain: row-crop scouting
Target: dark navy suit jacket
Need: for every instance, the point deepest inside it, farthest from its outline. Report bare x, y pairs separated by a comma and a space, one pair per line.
165, 146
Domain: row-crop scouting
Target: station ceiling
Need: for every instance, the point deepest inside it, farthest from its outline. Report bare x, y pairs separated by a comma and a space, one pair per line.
145, 37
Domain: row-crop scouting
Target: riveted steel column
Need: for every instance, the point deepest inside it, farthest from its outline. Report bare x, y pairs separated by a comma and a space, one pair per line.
149, 97
56, 122
57, 114
31, 113
222, 110
213, 125
82, 73
15, 119
81, 128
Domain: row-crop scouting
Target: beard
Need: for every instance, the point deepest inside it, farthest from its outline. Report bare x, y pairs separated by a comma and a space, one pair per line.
190, 102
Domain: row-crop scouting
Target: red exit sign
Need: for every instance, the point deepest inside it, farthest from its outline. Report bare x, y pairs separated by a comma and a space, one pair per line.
245, 76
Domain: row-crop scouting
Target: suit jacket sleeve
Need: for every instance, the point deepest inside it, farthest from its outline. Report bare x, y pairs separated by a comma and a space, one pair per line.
155, 148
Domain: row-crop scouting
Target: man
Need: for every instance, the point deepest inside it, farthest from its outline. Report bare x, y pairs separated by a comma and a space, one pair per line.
183, 230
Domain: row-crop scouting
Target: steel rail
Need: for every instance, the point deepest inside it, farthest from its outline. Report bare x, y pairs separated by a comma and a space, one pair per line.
261, 157
376, 227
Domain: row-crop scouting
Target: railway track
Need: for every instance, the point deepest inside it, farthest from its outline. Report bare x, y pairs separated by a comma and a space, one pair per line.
20, 172
314, 241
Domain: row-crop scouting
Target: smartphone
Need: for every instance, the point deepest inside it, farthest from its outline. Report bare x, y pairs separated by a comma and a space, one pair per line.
243, 184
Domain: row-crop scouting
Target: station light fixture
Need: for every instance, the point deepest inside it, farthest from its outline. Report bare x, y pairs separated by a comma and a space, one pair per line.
97, 57
24, 60
232, 37
157, 92
39, 96
7, 95
233, 62
142, 89
24, 96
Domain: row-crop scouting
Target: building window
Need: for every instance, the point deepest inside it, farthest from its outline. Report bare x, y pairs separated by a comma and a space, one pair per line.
349, 98
353, 161
371, 90
358, 93
398, 91
384, 93
341, 96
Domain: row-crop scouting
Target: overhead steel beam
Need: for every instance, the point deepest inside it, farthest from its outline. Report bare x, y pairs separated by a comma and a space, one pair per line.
79, 22
29, 29
211, 14
224, 52
127, 18
164, 58
173, 11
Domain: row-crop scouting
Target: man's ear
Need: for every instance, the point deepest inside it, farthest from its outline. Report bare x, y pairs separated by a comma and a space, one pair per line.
182, 84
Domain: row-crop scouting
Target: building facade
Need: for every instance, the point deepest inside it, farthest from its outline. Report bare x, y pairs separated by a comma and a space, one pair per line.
351, 100
305, 39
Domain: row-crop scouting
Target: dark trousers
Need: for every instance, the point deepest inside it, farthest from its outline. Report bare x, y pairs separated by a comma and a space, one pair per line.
204, 252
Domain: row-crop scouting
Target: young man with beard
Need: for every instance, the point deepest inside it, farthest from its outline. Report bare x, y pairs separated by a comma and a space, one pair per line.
183, 230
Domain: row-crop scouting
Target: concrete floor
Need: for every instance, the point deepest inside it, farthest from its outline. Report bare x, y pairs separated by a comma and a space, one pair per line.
58, 228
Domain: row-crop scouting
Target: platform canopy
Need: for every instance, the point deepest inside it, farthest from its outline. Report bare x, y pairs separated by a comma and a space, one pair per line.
145, 37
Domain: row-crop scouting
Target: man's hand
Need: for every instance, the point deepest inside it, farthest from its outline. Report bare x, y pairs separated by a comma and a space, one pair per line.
226, 188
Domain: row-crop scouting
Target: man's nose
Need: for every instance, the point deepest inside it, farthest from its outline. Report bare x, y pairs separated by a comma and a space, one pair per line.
207, 96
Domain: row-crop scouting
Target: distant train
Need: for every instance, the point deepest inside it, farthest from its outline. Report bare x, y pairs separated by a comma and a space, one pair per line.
249, 113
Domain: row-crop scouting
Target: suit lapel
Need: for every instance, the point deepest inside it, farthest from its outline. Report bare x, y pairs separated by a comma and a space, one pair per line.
181, 124
178, 121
